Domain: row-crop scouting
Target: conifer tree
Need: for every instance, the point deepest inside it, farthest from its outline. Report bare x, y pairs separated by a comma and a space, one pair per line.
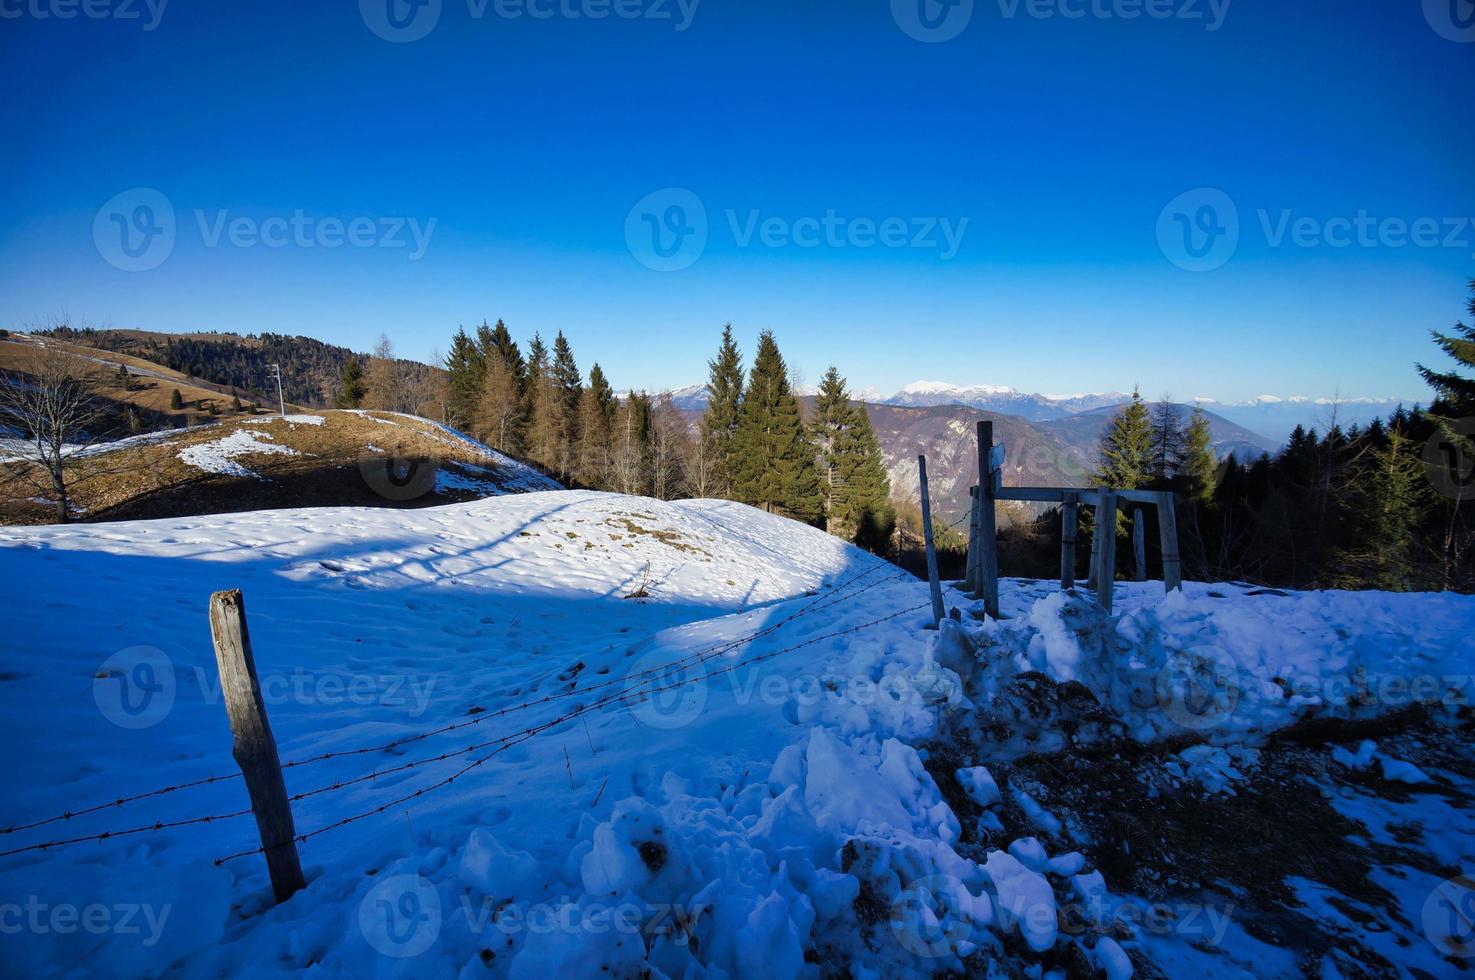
832, 416
1167, 440
863, 508
543, 406
1125, 460
499, 410
176, 400
569, 385
466, 370
773, 461
1455, 389
1389, 501
1199, 465
350, 387
719, 422
596, 429
497, 341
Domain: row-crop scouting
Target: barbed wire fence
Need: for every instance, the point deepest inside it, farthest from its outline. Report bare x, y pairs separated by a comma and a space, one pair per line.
631, 689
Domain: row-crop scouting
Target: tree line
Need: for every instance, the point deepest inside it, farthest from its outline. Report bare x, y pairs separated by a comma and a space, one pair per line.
752, 443
1389, 505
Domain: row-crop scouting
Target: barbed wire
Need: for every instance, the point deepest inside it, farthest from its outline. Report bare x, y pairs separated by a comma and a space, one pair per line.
522, 737
818, 602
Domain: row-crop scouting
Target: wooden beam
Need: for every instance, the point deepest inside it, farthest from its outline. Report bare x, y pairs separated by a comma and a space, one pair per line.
255, 749
1139, 542
1069, 519
987, 527
970, 568
1167, 526
933, 583
1105, 549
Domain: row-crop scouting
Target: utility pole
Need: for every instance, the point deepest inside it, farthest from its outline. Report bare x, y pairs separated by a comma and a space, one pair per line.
276, 372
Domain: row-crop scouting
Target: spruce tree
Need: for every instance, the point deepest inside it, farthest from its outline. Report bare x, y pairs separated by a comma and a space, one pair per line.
1125, 459
570, 387
1456, 390
350, 386
831, 418
596, 429
863, 508
719, 422
773, 461
1390, 499
466, 370
1199, 465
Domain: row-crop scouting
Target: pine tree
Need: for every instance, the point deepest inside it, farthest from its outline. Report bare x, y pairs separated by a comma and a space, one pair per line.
176, 400
466, 370
773, 461
1454, 388
863, 509
1199, 465
831, 417
719, 422
499, 410
1167, 440
1389, 502
350, 387
1125, 461
596, 429
569, 385
497, 341
542, 407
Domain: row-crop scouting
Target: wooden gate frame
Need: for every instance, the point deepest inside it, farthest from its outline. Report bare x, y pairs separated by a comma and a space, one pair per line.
983, 557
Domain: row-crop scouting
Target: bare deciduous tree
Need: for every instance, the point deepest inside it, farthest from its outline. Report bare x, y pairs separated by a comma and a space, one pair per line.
56, 406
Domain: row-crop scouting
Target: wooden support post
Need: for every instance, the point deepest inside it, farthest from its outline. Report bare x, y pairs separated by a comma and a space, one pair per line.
970, 569
1069, 519
255, 750
988, 542
932, 580
1139, 542
1105, 548
1167, 526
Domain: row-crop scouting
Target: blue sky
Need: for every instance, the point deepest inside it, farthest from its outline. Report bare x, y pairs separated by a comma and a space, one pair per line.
1063, 142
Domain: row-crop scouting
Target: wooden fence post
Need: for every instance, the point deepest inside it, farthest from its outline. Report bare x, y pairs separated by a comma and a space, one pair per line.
1105, 547
988, 573
932, 580
1167, 526
254, 749
970, 568
1069, 519
1139, 542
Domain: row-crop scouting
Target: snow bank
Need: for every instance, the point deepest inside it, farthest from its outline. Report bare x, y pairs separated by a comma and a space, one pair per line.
220, 455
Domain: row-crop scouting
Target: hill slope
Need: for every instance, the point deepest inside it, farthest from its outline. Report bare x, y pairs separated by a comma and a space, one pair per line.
610, 736
332, 458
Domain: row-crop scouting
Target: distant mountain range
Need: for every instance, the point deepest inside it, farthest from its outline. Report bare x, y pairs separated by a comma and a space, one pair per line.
1268, 417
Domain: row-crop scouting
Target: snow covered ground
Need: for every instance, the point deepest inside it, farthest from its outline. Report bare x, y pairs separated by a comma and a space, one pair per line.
768, 807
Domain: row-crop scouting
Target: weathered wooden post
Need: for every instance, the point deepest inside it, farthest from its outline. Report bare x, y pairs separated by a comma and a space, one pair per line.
1069, 517
255, 750
970, 569
932, 580
1105, 547
1167, 526
1139, 542
988, 542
